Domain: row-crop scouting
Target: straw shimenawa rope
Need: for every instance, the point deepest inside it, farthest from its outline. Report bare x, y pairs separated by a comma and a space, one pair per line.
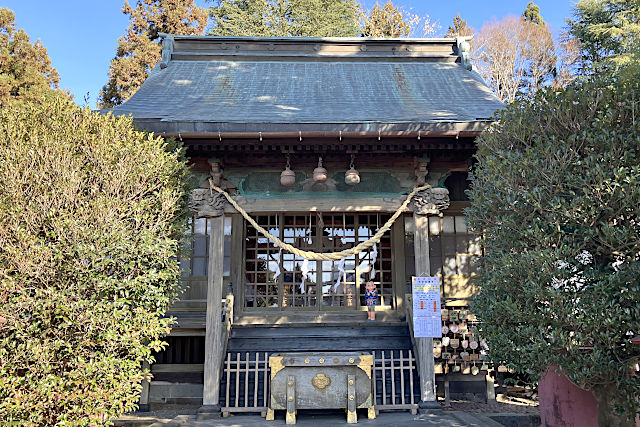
327, 256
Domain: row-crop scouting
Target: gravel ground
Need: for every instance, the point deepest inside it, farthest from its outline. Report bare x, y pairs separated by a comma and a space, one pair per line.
503, 404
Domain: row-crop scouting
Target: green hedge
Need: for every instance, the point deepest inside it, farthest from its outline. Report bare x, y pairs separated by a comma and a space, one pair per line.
92, 213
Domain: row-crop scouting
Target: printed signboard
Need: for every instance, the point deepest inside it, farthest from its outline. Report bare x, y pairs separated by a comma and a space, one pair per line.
427, 314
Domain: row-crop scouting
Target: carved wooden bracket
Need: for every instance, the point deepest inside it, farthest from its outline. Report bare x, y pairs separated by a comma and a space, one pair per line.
167, 50
421, 172
205, 203
430, 201
216, 171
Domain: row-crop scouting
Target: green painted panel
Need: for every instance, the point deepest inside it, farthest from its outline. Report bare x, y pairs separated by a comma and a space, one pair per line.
257, 185
370, 182
268, 183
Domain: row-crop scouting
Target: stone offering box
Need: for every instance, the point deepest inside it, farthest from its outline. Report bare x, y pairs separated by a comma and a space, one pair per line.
322, 380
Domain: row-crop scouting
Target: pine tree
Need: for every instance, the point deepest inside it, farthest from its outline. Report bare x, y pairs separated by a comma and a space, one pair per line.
139, 49
459, 28
286, 18
608, 30
25, 68
388, 21
532, 14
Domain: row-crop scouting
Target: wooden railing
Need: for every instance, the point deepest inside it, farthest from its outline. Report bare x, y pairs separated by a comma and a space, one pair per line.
245, 383
408, 298
395, 380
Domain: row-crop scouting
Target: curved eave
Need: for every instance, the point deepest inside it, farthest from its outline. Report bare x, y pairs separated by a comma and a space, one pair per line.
213, 130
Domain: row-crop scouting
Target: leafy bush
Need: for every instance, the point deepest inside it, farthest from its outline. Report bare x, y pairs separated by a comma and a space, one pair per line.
556, 193
91, 216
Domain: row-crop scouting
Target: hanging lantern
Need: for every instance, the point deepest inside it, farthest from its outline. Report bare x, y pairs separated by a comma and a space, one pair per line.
320, 173
352, 177
288, 177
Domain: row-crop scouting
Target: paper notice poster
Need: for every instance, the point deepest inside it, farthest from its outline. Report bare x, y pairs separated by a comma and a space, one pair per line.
427, 314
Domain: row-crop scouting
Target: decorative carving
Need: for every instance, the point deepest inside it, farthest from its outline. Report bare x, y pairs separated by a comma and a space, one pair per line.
463, 52
205, 203
309, 185
321, 381
421, 171
276, 365
430, 201
167, 50
216, 171
366, 362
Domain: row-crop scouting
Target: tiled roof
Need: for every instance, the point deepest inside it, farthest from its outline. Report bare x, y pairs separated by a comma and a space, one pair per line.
213, 89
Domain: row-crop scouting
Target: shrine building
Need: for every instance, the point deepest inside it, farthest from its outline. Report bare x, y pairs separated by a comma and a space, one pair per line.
320, 141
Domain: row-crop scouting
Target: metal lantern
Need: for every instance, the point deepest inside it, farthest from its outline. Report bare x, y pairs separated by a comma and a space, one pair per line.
288, 177
351, 177
320, 173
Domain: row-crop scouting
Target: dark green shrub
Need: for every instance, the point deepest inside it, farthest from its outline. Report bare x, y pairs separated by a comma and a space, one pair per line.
556, 193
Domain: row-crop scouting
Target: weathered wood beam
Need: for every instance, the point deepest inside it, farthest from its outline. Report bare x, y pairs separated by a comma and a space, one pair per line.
213, 336
426, 369
430, 201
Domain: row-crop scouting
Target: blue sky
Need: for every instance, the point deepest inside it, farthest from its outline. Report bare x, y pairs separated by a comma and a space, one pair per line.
81, 35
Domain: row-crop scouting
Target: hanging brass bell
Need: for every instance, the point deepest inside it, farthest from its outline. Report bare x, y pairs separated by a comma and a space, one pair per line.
351, 177
320, 173
287, 177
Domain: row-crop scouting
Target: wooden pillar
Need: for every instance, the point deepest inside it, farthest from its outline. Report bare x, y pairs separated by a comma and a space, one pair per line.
143, 403
425, 345
213, 335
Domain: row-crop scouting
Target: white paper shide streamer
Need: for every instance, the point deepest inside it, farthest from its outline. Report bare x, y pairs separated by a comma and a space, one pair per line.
374, 257
341, 273
277, 273
305, 272
369, 266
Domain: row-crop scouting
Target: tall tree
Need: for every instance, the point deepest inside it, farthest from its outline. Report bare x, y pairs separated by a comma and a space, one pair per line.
139, 49
286, 18
540, 54
386, 21
515, 57
459, 28
568, 51
556, 196
532, 14
608, 30
25, 68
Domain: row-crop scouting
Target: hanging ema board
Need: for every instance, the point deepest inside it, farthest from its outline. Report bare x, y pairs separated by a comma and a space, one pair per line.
427, 314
